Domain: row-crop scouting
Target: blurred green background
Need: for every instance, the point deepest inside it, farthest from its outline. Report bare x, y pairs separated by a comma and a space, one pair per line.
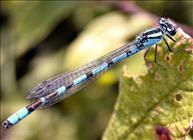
41, 39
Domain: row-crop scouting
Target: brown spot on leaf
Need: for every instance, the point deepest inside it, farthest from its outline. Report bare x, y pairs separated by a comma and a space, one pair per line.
178, 97
168, 59
157, 77
181, 68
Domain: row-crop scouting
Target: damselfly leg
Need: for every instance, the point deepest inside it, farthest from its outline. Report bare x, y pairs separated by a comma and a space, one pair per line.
171, 38
168, 46
145, 56
155, 57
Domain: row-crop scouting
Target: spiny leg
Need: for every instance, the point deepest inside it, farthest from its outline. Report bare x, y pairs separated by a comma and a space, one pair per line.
167, 45
145, 55
171, 38
155, 54
155, 57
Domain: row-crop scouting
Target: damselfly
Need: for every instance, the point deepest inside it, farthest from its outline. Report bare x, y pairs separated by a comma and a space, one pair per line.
57, 88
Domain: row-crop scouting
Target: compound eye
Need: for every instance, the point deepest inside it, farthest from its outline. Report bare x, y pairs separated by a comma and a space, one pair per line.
162, 20
173, 32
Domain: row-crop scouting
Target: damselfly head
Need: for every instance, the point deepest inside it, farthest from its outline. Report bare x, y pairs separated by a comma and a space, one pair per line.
167, 26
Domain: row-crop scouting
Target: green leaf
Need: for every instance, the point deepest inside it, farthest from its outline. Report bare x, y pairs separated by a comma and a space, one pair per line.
162, 98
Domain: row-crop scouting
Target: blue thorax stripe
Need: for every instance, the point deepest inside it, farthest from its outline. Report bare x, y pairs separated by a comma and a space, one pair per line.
151, 42
155, 35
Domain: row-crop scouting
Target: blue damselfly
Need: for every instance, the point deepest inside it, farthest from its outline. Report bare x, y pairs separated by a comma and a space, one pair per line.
57, 88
